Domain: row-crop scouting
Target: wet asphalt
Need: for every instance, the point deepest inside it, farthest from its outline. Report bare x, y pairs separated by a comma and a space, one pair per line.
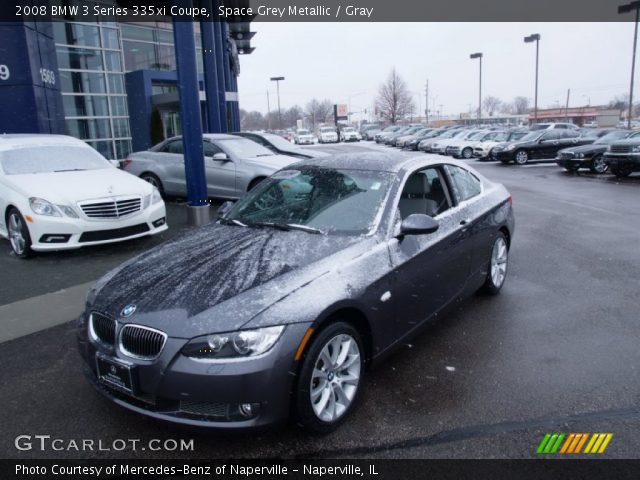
556, 351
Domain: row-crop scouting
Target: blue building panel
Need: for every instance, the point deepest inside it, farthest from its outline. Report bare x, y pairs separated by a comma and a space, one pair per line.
29, 87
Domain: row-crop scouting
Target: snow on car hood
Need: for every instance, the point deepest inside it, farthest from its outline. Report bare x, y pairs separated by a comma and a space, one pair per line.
70, 187
214, 264
275, 161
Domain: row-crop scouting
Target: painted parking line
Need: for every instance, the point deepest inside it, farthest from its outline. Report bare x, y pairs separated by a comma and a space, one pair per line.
38, 313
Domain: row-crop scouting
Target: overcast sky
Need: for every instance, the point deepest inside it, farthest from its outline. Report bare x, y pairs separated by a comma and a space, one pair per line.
338, 60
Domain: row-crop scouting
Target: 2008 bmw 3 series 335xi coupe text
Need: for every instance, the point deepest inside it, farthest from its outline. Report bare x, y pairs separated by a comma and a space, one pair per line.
277, 308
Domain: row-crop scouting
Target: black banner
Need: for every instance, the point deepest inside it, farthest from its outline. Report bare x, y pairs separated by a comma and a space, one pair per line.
317, 11
319, 470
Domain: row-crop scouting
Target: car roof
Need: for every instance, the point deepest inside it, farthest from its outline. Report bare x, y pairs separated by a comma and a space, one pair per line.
375, 161
9, 141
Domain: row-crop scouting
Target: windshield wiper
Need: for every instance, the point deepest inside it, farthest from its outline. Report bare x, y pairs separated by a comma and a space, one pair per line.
71, 170
231, 221
288, 226
265, 155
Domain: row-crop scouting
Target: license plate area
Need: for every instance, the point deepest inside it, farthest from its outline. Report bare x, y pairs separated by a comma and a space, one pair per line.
115, 374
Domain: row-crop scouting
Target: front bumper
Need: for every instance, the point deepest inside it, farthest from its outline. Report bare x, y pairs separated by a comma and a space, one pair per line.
623, 160
584, 162
305, 141
64, 233
503, 155
184, 390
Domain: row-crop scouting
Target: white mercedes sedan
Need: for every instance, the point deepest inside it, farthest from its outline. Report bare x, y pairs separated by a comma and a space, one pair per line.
58, 193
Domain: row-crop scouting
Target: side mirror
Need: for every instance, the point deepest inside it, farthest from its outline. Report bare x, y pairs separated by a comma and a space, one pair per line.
115, 163
224, 208
220, 156
418, 224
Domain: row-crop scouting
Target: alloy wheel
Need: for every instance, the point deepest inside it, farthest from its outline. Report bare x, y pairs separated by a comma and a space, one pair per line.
522, 157
598, 165
16, 237
467, 153
335, 378
499, 259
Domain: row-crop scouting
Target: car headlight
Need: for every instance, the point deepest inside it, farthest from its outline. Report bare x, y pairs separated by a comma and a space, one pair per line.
579, 155
636, 149
68, 211
42, 207
233, 345
510, 147
155, 196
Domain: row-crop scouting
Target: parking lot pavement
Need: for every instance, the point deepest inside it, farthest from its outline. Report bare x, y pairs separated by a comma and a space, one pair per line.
555, 351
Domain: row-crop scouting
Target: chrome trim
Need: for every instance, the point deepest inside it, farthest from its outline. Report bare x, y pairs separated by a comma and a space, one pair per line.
141, 327
94, 336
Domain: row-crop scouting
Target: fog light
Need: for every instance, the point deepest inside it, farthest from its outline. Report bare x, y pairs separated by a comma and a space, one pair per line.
249, 410
159, 222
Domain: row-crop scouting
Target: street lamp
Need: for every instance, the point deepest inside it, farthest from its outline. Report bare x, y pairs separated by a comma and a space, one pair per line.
626, 9
277, 80
535, 37
479, 56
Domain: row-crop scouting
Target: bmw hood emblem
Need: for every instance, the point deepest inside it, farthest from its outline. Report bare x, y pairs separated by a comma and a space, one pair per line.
128, 310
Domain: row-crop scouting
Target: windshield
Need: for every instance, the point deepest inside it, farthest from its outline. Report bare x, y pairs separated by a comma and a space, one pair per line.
51, 158
326, 129
613, 136
304, 132
332, 201
392, 128
476, 135
530, 137
278, 142
348, 129
243, 147
518, 135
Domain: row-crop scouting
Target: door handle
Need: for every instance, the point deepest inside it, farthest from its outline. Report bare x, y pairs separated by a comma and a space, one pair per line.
465, 224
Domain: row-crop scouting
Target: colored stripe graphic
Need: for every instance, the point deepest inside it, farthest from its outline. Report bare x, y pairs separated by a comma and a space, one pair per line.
573, 443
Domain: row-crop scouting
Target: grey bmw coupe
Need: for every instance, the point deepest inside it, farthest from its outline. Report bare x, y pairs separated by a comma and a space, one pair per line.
278, 308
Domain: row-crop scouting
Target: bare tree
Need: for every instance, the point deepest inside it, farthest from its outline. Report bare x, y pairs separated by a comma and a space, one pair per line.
319, 111
291, 116
394, 100
491, 104
251, 120
520, 105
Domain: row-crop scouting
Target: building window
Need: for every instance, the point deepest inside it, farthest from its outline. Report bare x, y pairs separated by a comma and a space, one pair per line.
91, 71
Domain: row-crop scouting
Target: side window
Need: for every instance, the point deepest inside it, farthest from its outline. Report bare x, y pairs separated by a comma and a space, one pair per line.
424, 192
210, 149
465, 184
174, 147
571, 133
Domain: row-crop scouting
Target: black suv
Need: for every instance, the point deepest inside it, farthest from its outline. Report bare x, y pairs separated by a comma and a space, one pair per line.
592, 156
540, 145
623, 157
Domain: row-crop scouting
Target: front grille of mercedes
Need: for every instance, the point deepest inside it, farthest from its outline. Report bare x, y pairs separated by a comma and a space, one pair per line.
112, 209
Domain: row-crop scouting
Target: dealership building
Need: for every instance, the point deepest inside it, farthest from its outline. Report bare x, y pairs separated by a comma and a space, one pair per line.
115, 84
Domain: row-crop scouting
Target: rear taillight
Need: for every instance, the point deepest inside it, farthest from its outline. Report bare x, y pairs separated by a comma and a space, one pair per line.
510, 200
125, 163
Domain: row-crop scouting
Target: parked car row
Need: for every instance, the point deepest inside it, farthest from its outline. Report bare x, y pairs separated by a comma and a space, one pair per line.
573, 148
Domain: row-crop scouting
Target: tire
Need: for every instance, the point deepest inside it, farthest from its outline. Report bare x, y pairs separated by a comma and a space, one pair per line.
521, 157
255, 182
153, 180
467, 153
18, 234
317, 404
498, 266
597, 165
620, 172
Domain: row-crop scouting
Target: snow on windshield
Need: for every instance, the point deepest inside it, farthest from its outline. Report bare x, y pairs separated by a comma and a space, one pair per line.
51, 158
243, 147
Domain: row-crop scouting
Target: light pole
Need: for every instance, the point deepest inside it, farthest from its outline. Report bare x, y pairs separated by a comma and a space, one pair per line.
478, 55
349, 97
535, 37
277, 80
626, 9
588, 100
